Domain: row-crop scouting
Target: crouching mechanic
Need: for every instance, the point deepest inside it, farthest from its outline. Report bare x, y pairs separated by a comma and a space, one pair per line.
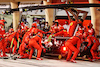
35, 42
91, 47
71, 45
94, 48
23, 51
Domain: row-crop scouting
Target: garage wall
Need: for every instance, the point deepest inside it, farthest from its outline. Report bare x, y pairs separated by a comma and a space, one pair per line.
58, 12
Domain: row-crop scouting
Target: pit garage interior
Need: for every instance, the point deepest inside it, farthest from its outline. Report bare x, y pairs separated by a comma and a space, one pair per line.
18, 16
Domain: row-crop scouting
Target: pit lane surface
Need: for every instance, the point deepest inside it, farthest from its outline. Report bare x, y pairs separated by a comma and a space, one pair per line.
46, 62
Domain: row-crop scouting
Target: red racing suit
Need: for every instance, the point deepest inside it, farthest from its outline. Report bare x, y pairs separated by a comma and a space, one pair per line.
35, 42
88, 39
33, 31
7, 43
93, 44
54, 29
62, 33
82, 29
36, 30
94, 48
22, 51
10, 38
72, 27
26, 35
71, 45
2, 46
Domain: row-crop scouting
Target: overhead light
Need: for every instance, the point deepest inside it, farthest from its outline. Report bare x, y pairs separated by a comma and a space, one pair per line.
25, 10
21, 9
48, 1
62, 0
66, 2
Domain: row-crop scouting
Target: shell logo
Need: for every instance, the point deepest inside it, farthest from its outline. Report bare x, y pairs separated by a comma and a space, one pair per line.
64, 30
71, 23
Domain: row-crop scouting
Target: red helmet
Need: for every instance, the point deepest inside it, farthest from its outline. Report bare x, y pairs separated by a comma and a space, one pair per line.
22, 23
40, 34
61, 28
79, 34
85, 34
26, 27
34, 25
34, 30
11, 30
2, 23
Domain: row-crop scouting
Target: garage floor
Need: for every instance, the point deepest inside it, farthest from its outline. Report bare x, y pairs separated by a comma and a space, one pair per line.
46, 62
